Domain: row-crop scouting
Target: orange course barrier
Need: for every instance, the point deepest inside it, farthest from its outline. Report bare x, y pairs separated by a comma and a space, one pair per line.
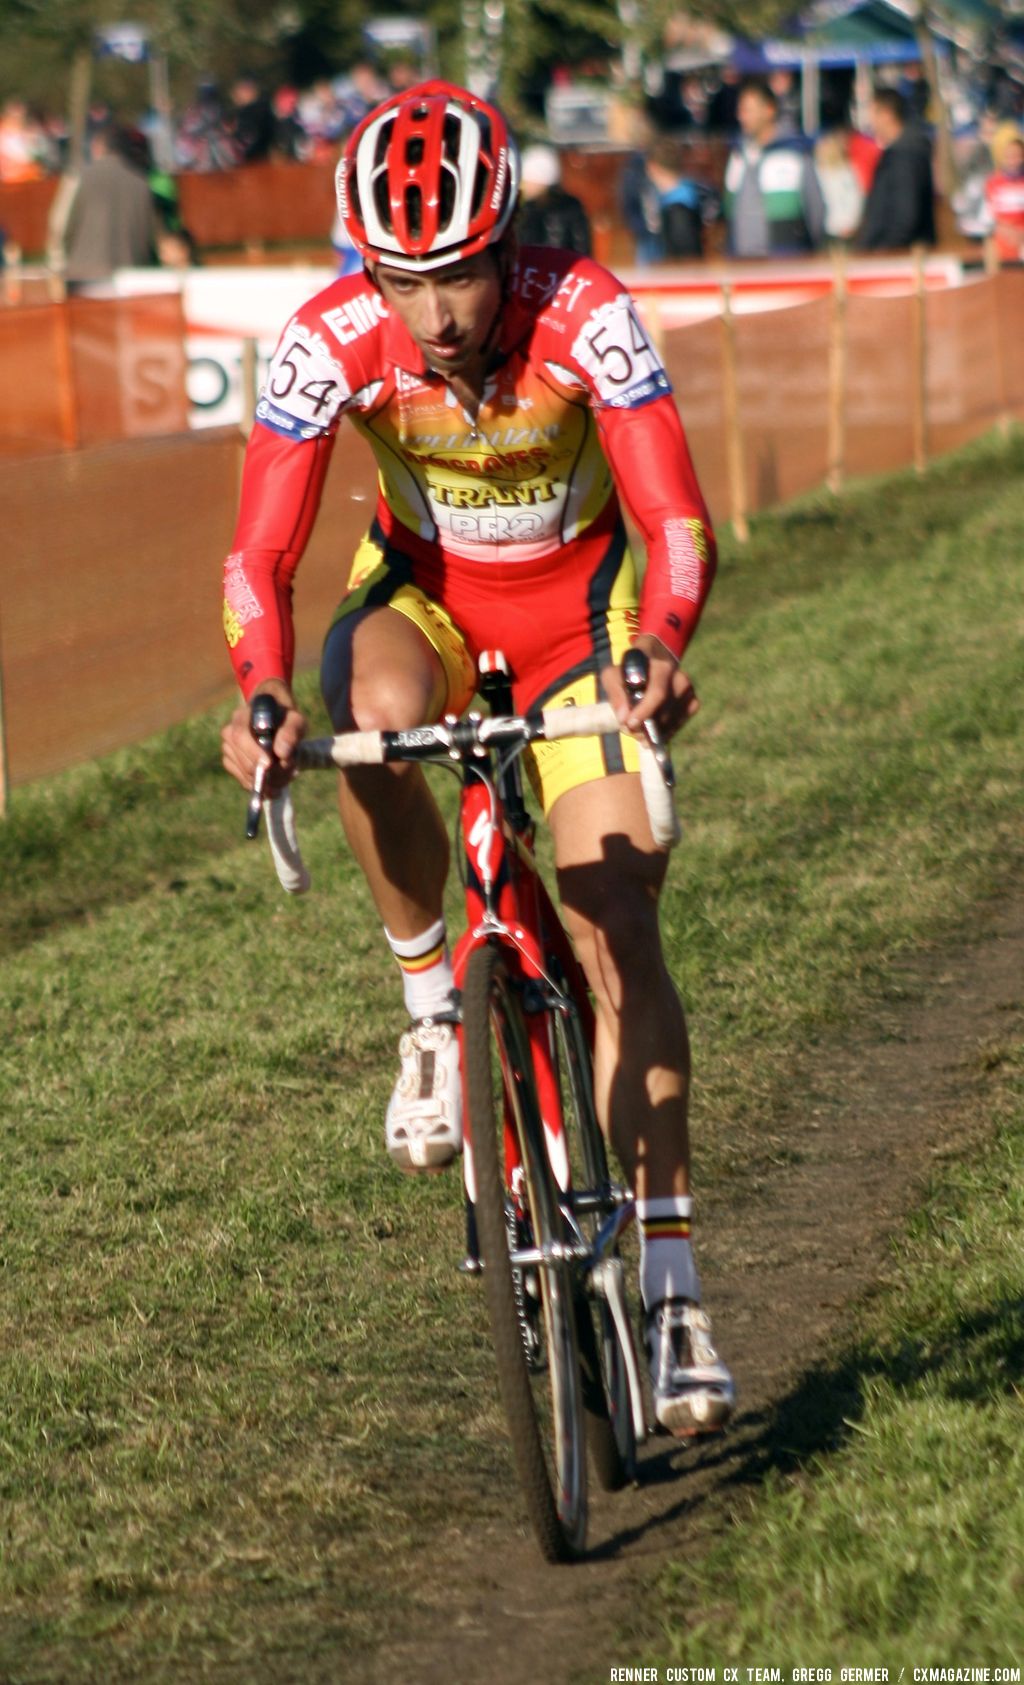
844, 386
110, 589
109, 593
89, 370
281, 203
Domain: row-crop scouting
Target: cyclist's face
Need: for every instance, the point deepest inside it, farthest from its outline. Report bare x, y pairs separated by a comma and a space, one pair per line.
449, 311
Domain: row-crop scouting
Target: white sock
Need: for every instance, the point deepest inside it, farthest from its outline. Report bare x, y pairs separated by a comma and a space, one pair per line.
427, 979
667, 1269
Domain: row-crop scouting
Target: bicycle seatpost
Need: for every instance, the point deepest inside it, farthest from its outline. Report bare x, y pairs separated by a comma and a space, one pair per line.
636, 671
265, 715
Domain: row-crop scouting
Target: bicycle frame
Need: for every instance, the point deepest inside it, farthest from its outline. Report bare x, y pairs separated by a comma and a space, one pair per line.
507, 902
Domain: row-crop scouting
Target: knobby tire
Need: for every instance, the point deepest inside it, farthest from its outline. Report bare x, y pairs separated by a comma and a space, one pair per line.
553, 1478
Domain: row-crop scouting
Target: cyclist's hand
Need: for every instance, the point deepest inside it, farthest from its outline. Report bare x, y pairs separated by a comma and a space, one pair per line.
240, 752
670, 699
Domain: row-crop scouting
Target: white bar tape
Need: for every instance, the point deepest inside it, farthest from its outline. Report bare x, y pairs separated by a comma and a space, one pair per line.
284, 846
594, 719
661, 809
599, 718
358, 748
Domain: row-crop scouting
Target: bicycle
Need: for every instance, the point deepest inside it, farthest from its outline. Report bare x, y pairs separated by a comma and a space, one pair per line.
545, 1219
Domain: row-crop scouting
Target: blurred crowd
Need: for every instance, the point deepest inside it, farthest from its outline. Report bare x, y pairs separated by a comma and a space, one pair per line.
217, 130
718, 162
783, 192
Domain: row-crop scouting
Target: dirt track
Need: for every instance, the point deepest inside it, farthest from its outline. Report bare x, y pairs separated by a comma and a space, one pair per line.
782, 1262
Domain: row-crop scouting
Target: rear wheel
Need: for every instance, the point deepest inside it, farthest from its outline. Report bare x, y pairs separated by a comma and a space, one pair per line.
530, 1283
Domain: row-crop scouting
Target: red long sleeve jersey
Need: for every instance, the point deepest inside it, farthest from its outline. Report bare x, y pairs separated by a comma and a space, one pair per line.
577, 402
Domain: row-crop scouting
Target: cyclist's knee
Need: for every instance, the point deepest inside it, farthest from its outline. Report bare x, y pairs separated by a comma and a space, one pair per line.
390, 701
617, 939
391, 682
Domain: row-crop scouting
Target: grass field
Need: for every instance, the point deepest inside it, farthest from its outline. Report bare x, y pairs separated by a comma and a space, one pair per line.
902, 1547
243, 1385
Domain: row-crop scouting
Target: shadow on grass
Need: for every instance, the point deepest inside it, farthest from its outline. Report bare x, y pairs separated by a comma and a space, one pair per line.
975, 1359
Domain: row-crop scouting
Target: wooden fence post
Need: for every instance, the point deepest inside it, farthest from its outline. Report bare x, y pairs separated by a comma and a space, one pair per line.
249, 391
837, 361
919, 365
650, 316
733, 429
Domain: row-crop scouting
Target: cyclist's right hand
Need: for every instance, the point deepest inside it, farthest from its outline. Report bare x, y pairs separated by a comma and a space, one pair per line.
240, 752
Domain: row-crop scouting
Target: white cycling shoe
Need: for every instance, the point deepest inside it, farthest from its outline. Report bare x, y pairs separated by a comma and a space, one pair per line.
693, 1390
423, 1126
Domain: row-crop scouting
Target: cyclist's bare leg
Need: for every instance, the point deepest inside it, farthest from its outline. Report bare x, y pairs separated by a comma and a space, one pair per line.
609, 877
380, 673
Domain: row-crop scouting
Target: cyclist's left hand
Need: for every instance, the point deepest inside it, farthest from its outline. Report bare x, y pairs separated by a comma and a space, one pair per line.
670, 699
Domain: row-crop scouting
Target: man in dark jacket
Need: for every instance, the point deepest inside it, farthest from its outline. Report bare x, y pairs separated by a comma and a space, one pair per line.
900, 209
550, 216
251, 120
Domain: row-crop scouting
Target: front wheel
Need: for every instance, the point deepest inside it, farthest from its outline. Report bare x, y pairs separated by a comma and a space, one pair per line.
530, 1283
614, 1404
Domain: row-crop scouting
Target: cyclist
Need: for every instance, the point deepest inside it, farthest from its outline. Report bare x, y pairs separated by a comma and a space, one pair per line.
505, 393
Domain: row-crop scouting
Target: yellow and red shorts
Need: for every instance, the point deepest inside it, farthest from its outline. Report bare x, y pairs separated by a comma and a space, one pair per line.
559, 621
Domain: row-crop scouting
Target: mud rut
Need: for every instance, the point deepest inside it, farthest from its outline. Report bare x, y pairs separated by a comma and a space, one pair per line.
783, 1258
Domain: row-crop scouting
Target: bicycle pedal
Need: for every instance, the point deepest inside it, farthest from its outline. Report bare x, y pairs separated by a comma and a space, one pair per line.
471, 1266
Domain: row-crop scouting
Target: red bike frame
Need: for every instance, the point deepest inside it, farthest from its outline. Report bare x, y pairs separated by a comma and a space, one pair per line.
507, 902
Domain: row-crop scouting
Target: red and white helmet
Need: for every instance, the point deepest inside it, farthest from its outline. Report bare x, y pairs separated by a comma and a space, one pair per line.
429, 177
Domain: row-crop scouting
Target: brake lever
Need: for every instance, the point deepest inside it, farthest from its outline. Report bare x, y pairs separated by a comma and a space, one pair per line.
265, 715
635, 672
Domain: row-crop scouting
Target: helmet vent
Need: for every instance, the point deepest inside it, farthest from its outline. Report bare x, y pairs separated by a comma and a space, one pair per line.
414, 211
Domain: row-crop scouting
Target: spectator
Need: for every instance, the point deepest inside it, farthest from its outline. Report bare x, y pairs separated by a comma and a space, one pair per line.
694, 99
789, 118
969, 201
900, 209
175, 246
251, 120
550, 216
863, 152
290, 139
638, 197
108, 216
773, 199
1004, 195
203, 141
359, 92
24, 149
913, 85
723, 104
684, 204
402, 72
840, 186
322, 115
